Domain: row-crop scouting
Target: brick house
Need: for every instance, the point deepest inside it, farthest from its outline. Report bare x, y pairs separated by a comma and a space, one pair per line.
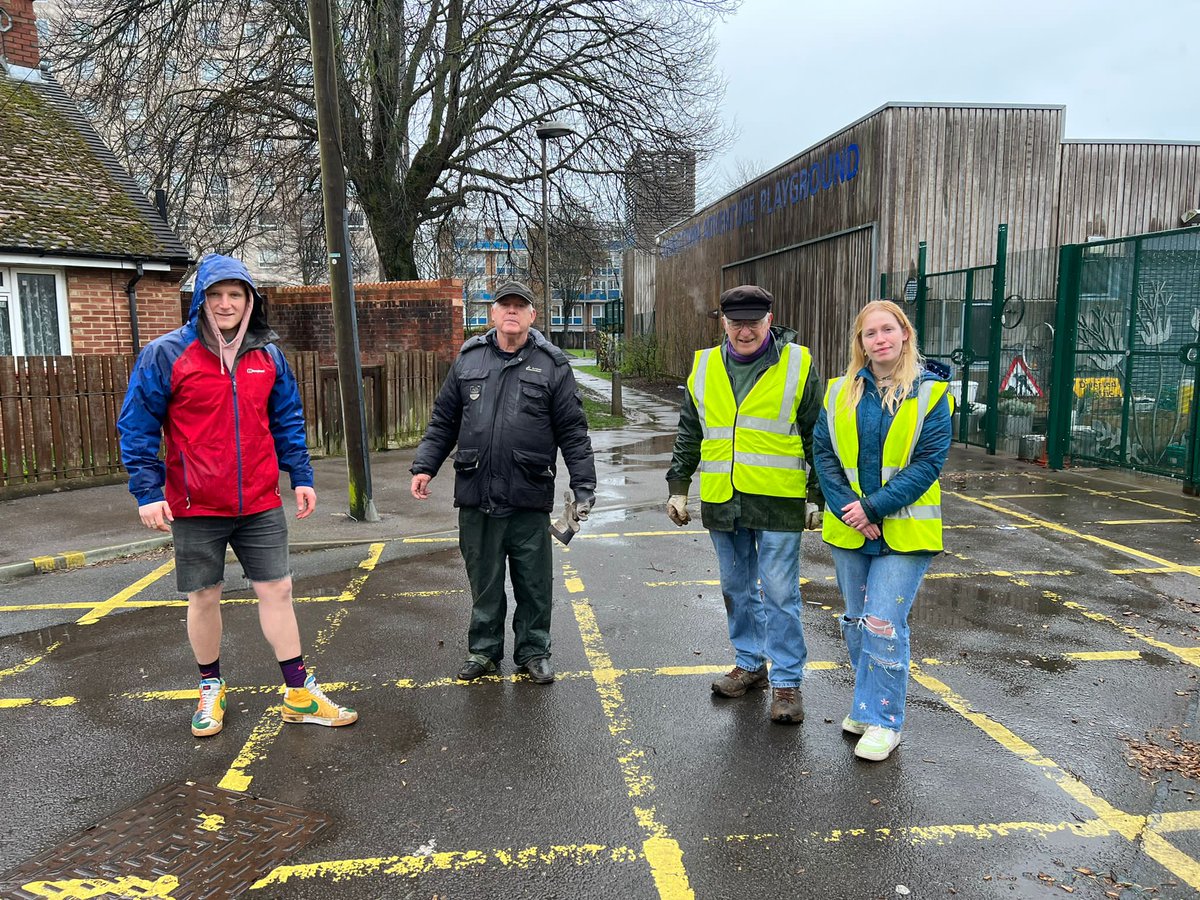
87, 265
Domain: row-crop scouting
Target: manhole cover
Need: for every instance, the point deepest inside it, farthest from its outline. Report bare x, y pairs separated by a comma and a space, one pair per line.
185, 841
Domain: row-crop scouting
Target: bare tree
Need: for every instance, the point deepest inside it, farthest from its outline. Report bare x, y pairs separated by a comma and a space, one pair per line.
439, 98
578, 247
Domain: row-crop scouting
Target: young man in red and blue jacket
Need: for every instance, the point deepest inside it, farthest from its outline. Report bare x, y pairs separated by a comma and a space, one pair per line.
220, 395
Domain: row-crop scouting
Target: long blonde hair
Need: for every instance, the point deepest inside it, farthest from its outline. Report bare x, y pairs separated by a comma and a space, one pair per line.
908, 367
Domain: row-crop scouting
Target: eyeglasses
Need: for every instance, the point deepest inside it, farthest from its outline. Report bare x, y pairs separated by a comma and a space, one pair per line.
745, 325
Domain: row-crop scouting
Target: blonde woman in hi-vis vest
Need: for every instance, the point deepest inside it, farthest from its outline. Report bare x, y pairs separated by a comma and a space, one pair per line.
880, 442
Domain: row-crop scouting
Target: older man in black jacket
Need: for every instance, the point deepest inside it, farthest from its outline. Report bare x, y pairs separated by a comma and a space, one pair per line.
509, 403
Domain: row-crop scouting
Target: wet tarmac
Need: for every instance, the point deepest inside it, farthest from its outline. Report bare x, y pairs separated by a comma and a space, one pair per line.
1060, 632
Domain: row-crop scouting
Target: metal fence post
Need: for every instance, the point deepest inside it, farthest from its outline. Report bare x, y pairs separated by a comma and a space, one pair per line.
995, 334
1066, 312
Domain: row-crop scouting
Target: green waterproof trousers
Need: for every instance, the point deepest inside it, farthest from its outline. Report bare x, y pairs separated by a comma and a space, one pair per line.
523, 539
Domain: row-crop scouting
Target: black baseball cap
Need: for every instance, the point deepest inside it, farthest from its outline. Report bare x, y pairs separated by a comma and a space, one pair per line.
746, 302
513, 289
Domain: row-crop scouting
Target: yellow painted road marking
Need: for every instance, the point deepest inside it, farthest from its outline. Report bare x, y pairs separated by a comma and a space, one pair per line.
19, 702
1104, 655
452, 861
225, 601
211, 823
117, 599
43, 564
269, 726
1137, 521
368, 566
29, 662
74, 559
87, 888
1019, 496
662, 851
935, 834
1123, 495
1063, 529
253, 750
1130, 827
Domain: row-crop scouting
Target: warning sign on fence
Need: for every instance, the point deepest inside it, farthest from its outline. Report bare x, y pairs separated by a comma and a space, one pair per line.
1020, 380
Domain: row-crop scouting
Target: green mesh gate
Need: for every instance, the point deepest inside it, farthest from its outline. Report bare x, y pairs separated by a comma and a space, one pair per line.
1128, 338
958, 316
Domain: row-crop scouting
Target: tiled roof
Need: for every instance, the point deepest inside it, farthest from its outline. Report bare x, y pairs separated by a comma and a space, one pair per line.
62, 190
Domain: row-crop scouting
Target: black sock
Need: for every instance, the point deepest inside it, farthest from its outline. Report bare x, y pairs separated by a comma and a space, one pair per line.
294, 672
210, 670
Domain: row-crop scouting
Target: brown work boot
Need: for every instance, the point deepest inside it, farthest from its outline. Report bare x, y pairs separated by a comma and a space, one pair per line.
737, 681
787, 706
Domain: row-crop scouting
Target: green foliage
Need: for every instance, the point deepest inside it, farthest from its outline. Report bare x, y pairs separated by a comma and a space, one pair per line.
640, 357
608, 350
1014, 406
599, 412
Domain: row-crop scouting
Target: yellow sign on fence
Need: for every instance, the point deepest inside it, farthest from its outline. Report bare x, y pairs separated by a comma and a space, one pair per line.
1098, 387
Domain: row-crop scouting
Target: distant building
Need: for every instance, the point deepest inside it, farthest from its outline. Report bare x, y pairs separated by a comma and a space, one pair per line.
87, 265
493, 256
660, 190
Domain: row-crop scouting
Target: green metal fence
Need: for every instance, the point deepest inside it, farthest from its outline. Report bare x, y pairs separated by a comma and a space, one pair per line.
1128, 344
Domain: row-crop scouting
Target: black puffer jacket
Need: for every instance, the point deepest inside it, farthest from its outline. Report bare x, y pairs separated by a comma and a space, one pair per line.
509, 418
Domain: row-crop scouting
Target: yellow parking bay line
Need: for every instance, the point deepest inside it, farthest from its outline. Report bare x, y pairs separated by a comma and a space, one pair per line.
117, 599
450, 861
661, 850
1132, 828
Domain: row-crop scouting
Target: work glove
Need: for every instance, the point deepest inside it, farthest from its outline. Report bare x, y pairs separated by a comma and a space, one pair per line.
813, 515
677, 509
585, 499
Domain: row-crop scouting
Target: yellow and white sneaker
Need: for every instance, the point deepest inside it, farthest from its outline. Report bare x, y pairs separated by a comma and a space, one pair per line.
210, 711
309, 704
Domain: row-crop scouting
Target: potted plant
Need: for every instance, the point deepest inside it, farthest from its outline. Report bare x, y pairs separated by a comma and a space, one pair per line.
1015, 416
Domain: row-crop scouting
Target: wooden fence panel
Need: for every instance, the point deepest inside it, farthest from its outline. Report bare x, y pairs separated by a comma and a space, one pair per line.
58, 415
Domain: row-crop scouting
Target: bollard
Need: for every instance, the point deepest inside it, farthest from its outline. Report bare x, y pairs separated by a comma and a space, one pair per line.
616, 395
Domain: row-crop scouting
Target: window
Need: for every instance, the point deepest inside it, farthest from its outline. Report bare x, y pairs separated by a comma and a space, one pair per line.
597, 314
33, 313
268, 256
210, 33
356, 220
268, 220
210, 70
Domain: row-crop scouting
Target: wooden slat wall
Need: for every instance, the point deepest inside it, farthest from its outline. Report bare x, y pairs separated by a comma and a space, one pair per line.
58, 415
1118, 189
943, 174
689, 283
835, 274
955, 173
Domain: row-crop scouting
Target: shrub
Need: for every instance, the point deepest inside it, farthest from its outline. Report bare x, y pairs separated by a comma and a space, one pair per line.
641, 357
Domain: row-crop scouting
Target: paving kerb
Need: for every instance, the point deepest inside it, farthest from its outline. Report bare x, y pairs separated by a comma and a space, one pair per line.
52, 526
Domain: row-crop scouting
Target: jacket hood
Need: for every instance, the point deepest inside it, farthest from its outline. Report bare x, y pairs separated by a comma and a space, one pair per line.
213, 268
783, 334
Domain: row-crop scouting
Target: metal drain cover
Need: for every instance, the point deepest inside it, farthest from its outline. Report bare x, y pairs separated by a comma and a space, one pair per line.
185, 841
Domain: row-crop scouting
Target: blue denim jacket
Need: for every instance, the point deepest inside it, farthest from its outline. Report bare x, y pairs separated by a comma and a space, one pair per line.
873, 423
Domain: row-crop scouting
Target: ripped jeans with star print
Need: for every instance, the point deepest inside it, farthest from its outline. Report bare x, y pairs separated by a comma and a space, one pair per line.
878, 592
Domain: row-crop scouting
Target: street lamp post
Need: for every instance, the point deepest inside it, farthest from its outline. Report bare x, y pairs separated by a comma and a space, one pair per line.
547, 131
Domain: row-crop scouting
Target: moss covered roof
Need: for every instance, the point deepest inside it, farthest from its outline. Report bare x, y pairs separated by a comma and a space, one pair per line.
61, 189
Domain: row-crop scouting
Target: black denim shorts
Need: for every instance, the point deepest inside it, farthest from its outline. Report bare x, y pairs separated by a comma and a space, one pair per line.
260, 542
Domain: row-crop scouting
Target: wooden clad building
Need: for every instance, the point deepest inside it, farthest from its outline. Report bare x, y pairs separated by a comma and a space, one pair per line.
818, 230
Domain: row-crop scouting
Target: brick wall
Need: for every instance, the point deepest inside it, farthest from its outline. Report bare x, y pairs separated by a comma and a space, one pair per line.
99, 308
396, 315
19, 45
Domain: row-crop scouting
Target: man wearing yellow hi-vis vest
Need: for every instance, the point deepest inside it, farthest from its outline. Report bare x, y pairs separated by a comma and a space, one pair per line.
880, 443
746, 424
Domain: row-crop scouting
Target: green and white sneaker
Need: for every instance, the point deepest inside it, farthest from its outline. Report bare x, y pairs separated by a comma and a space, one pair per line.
853, 726
210, 711
877, 743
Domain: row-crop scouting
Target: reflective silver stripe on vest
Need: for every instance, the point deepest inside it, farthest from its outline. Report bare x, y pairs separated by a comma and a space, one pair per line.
924, 401
718, 434
717, 466
791, 385
771, 460
699, 381
886, 472
916, 511
835, 387
774, 426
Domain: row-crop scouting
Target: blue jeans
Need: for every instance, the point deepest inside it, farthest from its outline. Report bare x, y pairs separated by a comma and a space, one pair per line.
760, 582
879, 593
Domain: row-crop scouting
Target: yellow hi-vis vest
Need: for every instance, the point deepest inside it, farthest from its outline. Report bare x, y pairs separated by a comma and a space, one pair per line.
915, 527
755, 446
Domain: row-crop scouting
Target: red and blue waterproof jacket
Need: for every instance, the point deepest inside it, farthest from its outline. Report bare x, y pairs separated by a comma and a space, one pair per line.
227, 434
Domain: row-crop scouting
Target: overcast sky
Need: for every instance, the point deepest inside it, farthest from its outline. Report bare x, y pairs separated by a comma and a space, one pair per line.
799, 70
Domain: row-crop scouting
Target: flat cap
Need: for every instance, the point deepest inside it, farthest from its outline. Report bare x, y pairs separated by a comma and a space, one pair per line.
745, 302
513, 289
